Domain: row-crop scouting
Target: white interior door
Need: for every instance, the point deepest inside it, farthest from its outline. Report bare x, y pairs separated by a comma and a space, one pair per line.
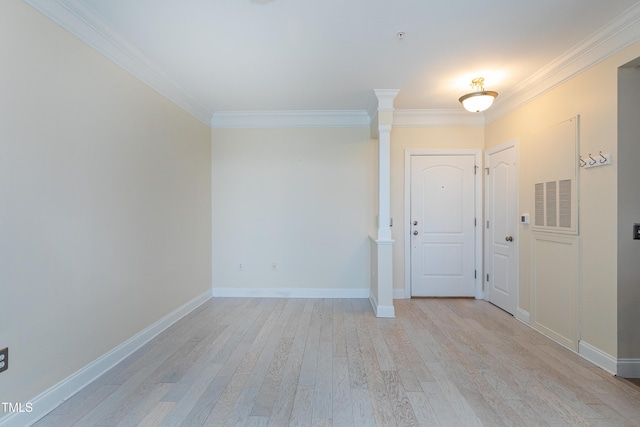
502, 216
443, 225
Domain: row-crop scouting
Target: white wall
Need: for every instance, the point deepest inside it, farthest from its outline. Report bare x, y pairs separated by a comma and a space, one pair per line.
104, 204
304, 199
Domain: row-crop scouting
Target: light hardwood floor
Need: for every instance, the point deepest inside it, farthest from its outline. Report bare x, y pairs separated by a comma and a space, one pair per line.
322, 362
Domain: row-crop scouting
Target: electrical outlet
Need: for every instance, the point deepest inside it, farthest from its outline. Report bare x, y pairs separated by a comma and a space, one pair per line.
4, 359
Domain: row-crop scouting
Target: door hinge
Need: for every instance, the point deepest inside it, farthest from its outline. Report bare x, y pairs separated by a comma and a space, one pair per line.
487, 277
475, 169
475, 274
487, 169
487, 223
475, 222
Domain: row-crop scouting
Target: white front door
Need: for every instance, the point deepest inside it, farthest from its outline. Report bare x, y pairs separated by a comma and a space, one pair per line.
502, 216
443, 225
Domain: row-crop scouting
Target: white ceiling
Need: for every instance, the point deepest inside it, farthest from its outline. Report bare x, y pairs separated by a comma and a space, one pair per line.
263, 55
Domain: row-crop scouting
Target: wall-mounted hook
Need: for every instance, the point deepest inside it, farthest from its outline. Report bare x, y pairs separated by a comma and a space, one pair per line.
603, 159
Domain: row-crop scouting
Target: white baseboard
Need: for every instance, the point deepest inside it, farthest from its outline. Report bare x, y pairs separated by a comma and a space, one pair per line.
523, 316
628, 368
598, 357
382, 310
290, 293
53, 397
557, 337
388, 311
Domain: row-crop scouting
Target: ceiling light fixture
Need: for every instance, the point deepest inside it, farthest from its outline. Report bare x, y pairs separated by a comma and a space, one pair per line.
479, 100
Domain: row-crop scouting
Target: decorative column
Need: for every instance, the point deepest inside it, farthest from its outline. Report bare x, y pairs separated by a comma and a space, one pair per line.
381, 293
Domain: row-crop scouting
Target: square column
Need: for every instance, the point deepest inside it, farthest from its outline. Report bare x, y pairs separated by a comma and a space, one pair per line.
381, 291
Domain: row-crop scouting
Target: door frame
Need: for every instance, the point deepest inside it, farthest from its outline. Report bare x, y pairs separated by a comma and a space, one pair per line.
515, 143
477, 157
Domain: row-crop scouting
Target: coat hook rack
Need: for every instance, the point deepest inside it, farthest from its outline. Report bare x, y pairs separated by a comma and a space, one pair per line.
591, 162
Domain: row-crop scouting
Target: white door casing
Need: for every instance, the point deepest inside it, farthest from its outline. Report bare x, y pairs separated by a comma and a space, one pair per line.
442, 225
501, 226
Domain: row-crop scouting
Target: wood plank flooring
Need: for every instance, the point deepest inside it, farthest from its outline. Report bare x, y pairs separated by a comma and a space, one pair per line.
330, 362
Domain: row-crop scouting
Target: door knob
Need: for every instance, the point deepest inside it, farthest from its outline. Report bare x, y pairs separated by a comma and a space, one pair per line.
509, 239
415, 222
415, 232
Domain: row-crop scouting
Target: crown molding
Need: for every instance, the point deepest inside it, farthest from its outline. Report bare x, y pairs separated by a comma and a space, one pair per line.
340, 118
290, 119
84, 23
610, 39
440, 118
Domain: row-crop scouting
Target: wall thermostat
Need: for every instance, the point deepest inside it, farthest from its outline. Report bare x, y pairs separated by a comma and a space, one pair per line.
524, 218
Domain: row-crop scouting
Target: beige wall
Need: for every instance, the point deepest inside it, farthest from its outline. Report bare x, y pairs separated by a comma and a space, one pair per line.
403, 138
278, 183
106, 215
105, 204
593, 95
304, 199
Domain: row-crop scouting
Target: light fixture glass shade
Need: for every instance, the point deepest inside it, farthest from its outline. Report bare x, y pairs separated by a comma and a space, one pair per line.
478, 101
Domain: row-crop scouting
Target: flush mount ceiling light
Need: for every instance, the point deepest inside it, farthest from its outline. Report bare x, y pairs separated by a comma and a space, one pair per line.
479, 100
